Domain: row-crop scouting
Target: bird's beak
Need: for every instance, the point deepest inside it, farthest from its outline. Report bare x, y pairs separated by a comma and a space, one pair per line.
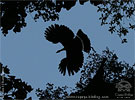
60, 50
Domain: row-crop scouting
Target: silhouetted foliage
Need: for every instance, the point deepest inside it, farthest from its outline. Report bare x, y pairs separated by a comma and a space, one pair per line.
107, 71
119, 14
72, 45
115, 70
113, 12
99, 77
13, 13
96, 2
12, 88
68, 4
64, 4
52, 92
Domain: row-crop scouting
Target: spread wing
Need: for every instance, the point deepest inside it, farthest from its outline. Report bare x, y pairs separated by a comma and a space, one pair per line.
59, 33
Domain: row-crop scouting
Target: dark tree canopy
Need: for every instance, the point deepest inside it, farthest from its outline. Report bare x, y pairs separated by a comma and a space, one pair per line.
52, 92
12, 88
68, 4
64, 4
99, 76
73, 45
118, 14
107, 72
13, 13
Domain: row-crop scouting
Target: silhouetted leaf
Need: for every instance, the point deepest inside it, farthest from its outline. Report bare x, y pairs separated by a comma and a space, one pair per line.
6, 70
13, 88
124, 41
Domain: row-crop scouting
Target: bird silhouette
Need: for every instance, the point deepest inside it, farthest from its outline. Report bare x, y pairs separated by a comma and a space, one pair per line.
73, 45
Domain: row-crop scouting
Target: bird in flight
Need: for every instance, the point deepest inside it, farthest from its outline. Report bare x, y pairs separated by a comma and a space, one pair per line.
73, 45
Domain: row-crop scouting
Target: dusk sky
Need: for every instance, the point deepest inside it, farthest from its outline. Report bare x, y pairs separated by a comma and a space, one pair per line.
32, 58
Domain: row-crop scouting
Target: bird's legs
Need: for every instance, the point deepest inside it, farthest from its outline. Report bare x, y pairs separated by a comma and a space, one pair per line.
60, 50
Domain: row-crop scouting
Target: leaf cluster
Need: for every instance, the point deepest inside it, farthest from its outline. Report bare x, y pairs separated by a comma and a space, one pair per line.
114, 70
13, 13
52, 92
119, 15
12, 87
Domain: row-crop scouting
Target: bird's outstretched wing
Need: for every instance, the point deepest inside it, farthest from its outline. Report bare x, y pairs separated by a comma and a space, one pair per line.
72, 63
59, 33
85, 41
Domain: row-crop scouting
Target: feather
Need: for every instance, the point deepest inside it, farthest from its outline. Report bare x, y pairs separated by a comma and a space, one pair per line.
56, 33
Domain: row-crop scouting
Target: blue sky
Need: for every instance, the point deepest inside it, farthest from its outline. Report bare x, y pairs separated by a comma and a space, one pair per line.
33, 59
